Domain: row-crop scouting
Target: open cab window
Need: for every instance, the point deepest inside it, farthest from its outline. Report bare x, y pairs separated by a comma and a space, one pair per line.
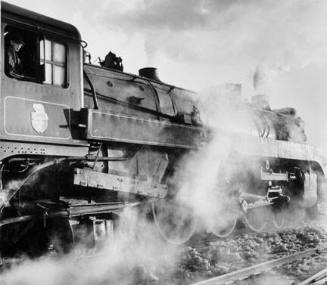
31, 56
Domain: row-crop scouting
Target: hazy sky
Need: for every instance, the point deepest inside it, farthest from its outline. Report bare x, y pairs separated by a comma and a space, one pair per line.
200, 43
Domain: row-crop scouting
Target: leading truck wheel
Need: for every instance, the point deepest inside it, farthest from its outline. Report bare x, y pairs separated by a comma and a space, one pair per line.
175, 222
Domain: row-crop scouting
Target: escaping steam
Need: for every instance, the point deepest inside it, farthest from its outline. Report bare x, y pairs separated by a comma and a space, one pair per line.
206, 177
134, 255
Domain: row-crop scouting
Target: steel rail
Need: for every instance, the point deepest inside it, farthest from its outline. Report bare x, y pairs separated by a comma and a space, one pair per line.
318, 278
244, 273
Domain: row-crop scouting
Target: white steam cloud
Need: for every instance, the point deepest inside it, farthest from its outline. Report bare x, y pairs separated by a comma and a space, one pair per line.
206, 177
134, 255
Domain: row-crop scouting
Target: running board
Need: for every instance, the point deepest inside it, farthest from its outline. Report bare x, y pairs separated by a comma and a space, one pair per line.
107, 181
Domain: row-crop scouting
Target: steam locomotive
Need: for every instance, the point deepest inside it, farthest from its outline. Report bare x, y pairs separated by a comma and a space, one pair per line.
79, 143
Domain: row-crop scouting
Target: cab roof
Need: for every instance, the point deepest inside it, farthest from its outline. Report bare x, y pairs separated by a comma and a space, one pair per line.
15, 14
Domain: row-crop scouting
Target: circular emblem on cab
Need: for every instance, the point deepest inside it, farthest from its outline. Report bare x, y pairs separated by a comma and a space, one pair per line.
39, 118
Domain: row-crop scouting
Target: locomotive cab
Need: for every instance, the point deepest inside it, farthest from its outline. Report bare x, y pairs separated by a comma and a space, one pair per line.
40, 80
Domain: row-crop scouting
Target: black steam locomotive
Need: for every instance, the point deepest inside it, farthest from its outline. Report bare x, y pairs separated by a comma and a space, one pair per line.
79, 143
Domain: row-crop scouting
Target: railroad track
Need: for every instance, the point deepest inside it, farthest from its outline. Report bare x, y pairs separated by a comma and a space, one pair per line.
317, 279
257, 269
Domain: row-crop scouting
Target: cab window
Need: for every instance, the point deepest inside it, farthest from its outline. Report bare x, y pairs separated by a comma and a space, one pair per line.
30, 56
53, 58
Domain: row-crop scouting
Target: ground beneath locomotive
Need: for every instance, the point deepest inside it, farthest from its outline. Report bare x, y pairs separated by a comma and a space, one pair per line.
136, 256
